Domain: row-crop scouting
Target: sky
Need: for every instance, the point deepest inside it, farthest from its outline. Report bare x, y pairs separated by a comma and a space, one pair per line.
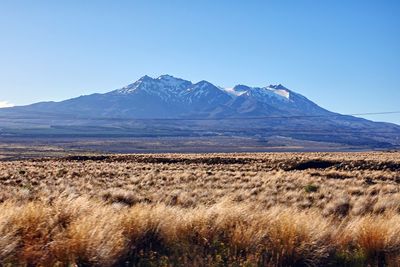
342, 54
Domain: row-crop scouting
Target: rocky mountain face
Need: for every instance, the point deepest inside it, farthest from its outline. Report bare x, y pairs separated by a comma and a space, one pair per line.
180, 107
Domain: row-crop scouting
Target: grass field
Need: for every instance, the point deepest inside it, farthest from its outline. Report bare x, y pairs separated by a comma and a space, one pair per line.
259, 209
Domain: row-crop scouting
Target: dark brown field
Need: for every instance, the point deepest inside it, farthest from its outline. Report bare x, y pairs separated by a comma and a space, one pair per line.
258, 209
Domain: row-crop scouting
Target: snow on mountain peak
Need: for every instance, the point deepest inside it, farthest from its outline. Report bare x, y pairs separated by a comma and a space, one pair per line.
204, 84
283, 93
232, 91
279, 90
166, 77
200, 88
133, 86
171, 88
145, 78
173, 82
276, 91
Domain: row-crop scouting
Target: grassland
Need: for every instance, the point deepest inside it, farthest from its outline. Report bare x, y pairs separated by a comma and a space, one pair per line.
266, 209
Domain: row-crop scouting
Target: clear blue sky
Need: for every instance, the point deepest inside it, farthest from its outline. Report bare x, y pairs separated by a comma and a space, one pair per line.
344, 55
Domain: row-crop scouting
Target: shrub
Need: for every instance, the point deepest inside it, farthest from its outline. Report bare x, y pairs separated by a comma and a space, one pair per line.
310, 188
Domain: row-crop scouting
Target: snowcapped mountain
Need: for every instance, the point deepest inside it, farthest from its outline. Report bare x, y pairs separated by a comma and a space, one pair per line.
181, 98
170, 97
166, 87
204, 107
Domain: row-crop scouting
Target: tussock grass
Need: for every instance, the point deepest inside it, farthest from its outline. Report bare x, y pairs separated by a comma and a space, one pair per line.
85, 232
188, 211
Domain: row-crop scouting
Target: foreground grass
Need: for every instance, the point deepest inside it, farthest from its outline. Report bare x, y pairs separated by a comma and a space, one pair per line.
202, 210
90, 233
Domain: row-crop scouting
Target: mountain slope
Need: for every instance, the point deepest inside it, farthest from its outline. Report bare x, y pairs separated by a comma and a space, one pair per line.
203, 108
170, 97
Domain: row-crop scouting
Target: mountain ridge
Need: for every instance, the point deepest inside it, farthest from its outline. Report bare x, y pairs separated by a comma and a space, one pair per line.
169, 90
280, 112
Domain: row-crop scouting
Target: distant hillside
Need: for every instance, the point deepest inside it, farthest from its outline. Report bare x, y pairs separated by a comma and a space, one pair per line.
169, 106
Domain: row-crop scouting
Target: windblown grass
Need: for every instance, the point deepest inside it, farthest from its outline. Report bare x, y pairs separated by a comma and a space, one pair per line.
189, 210
91, 233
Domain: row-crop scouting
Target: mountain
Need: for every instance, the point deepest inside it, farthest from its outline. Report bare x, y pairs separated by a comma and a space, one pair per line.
176, 107
170, 97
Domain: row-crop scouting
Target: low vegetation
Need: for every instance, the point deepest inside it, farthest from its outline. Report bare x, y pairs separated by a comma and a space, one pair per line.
317, 209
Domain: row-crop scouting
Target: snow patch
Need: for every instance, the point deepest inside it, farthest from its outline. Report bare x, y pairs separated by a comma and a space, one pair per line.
280, 92
269, 91
232, 91
283, 93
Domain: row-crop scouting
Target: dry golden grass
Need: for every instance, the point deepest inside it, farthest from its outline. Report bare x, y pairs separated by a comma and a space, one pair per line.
316, 209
